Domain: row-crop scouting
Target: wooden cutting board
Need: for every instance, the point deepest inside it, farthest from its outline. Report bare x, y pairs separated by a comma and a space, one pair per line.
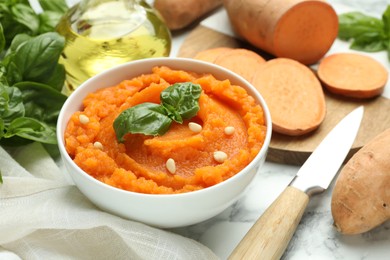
295, 150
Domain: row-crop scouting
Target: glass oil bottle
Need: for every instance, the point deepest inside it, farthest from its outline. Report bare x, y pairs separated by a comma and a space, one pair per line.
101, 34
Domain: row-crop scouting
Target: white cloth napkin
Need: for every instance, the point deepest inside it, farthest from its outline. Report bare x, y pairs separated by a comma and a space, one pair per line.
44, 216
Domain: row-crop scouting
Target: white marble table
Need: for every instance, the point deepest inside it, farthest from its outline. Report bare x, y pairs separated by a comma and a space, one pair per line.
315, 237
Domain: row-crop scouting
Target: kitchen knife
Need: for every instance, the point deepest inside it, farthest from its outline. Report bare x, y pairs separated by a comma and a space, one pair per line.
272, 232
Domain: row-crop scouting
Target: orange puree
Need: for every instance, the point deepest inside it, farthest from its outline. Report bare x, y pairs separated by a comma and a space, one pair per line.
139, 164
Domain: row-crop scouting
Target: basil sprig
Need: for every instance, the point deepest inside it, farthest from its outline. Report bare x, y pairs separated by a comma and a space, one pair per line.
179, 101
367, 33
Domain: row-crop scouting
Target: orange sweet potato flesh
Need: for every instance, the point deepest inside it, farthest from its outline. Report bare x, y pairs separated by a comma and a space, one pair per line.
210, 55
293, 94
353, 75
303, 30
245, 63
179, 14
241, 61
361, 196
139, 164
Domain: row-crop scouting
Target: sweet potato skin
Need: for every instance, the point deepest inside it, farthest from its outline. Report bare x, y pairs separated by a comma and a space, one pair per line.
179, 14
361, 196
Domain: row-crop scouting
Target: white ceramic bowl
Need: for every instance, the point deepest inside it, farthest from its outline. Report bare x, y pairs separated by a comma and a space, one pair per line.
165, 211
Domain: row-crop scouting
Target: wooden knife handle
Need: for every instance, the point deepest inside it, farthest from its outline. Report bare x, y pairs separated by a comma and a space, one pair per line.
271, 234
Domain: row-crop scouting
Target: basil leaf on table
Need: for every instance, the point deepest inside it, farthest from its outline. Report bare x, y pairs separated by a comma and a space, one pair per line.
25, 15
41, 97
2, 39
18, 40
354, 24
366, 33
178, 102
31, 129
53, 11
37, 58
2, 127
10, 23
58, 6
26, 116
48, 21
57, 78
11, 104
31, 81
18, 16
369, 42
386, 26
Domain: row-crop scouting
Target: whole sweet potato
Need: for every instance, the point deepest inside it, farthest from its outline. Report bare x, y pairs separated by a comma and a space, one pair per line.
302, 30
361, 197
178, 14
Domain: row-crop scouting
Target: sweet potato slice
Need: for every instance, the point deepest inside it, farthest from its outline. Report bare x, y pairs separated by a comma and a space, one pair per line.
245, 63
302, 30
353, 75
293, 94
361, 196
210, 55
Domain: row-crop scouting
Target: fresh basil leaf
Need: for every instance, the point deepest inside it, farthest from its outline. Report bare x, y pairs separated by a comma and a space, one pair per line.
57, 78
25, 2
183, 98
13, 73
178, 102
1, 177
29, 110
37, 58
386, 25
31, 129
3, 74
58, 6
18, 40
369, 42
354, 24
386, 21
24, 14
48, 21
11, 104
41, 101
10, 26
2, 128
172, 113
388, 49
15, 141
146, 118
368, 33
2, 39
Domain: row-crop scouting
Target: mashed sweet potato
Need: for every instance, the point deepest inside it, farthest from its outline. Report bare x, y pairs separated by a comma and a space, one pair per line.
139, 164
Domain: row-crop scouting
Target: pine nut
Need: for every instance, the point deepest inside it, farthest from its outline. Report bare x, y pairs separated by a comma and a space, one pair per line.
171, 165
194, 127
229, 130
83, 119
98, 145
220, 156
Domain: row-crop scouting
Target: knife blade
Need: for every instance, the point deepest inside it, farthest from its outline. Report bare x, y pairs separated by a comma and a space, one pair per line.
272, 232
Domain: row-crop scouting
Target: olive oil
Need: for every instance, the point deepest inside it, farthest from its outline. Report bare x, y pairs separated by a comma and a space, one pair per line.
102, 34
